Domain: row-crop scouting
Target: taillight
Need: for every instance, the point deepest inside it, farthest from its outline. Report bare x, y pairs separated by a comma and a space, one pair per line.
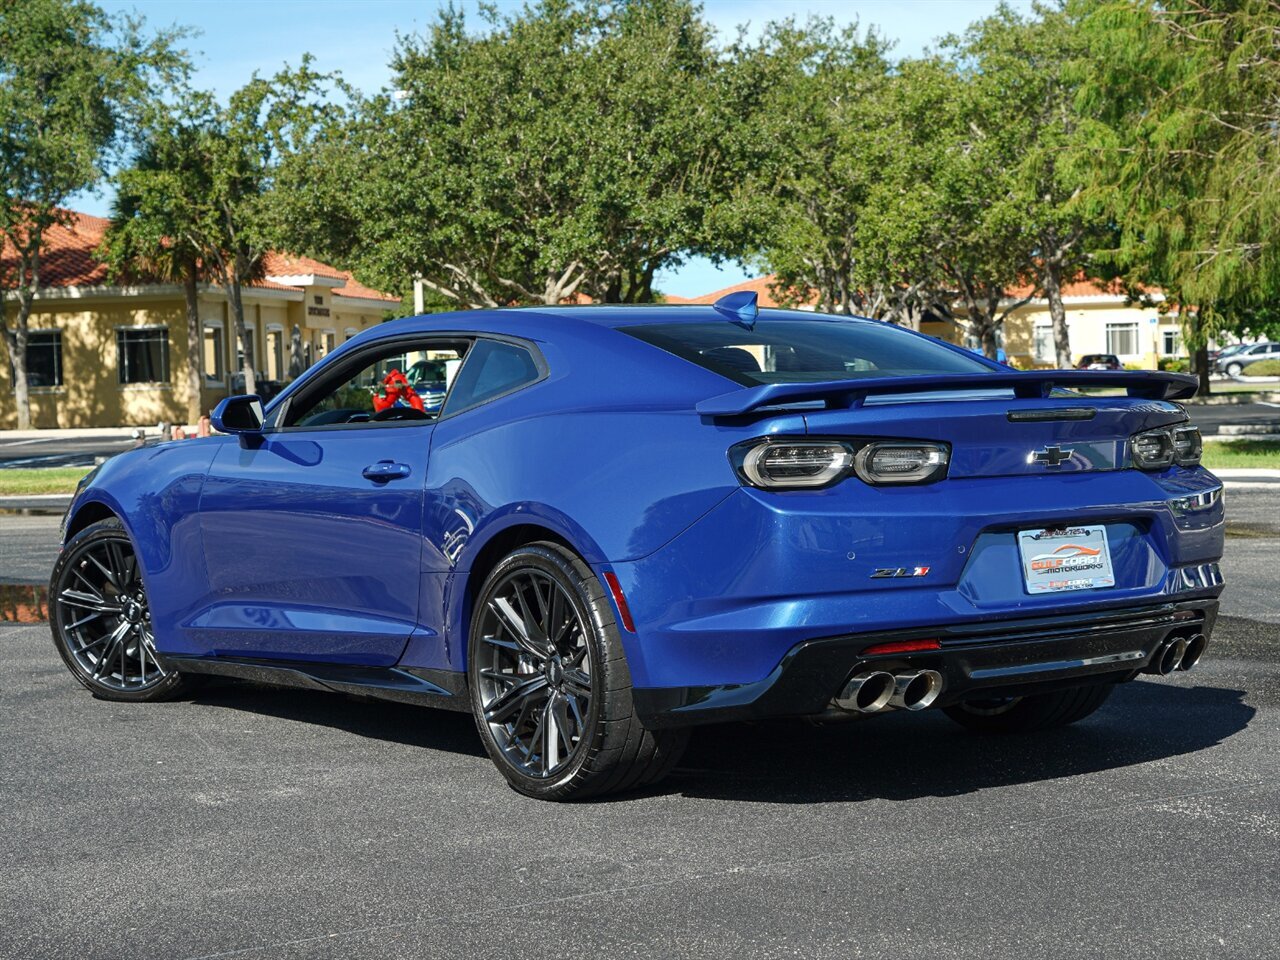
901, 462
1165, 446
785, 464
774, 465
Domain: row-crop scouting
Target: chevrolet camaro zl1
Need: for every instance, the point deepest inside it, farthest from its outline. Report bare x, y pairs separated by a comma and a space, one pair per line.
623, 522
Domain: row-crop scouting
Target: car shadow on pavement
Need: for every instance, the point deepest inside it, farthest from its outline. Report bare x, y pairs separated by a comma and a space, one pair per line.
404, 723
912, 756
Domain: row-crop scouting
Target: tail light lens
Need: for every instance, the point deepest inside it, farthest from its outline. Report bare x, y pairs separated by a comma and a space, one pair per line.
1159, 449
776, 465
901, 462
781, 464
1187, 445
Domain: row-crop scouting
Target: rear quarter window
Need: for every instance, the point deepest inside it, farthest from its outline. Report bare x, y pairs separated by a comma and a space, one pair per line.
492, 368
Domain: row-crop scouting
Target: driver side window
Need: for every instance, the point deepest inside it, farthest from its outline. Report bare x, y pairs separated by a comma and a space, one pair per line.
405, 382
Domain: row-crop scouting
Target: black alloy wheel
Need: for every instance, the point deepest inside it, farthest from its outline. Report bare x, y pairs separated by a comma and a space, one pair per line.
550, 689
101, 617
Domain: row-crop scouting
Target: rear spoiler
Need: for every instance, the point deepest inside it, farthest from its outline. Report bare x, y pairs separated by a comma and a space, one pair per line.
1035, 384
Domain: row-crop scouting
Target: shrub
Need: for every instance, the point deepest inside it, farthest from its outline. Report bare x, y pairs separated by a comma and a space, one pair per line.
1262, 368
1175, 364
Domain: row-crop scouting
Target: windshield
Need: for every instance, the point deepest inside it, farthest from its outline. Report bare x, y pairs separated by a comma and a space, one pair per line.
803, 350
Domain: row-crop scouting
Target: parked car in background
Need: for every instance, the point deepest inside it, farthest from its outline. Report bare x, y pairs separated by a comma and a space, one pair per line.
1233, 365
1215, 355
623, 522
1099, 361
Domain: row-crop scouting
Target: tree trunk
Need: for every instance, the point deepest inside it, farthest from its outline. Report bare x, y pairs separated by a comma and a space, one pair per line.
1200, 363
195, 347
990, 347
18, 354
242, 334
1052, 280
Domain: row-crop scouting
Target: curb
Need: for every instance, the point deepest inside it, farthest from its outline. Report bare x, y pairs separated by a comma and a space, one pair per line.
47, 502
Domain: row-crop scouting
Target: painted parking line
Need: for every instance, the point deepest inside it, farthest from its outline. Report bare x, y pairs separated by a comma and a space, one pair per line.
19, 443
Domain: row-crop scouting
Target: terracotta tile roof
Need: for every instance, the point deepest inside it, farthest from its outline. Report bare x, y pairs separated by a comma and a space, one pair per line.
69, 261
286, 265
761, 285
1080, 287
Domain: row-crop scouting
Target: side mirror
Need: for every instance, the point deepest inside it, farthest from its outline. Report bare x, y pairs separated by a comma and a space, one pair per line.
238, 414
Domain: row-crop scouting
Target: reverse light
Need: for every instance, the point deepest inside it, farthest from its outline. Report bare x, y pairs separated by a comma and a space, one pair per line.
784, 464
1163, 447
900, 462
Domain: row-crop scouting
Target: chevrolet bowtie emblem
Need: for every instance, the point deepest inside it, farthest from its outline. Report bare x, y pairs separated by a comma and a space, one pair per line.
1054, 456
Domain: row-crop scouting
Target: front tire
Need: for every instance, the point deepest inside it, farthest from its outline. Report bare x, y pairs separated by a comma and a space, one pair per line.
1043, 711
101, 619
1234, 370
550, 688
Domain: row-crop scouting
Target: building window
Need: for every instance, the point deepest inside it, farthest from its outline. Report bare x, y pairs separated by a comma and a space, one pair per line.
1122, 339
249, 334
348, 333
214, 351
1043, 344
1170, 343
44, 358
275, 354
326, 342
143, 354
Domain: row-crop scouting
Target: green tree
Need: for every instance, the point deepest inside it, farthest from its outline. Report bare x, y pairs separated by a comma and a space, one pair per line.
811, 98
157, 214
569, 148
1031, 69
242, 148
70, 76
943, 218
1187, 95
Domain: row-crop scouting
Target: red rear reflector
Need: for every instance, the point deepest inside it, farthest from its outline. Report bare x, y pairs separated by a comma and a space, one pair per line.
902, 646
624, 612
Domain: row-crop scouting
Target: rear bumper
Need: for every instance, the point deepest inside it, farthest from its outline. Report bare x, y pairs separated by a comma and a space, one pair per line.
1010, 657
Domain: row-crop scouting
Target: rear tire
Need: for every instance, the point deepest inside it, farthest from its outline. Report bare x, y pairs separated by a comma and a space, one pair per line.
1043, 711
550, 688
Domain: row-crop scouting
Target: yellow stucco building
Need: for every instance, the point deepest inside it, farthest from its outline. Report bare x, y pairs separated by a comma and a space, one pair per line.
106, 355
1099, 320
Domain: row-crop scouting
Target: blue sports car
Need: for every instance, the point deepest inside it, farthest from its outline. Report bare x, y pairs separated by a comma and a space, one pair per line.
626, 521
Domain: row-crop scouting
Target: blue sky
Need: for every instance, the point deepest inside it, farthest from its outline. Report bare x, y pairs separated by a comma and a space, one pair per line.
237, 37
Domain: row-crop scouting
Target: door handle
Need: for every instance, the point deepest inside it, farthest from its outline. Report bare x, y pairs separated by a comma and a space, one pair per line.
385, 470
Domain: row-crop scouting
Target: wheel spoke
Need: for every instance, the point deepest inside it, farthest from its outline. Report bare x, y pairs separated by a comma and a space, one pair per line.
551, 737
532, 631
110, 575
86, 601
513, 699
577, 712
578, 682
83, 620
93, 587
517, 625
115, 639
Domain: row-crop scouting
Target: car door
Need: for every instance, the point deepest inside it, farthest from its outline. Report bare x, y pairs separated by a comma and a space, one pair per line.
313, 532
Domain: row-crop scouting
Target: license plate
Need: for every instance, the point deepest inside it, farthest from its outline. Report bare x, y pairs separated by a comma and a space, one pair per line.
1070, 558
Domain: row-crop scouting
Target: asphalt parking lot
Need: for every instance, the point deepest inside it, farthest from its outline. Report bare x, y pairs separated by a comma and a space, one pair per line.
267, 823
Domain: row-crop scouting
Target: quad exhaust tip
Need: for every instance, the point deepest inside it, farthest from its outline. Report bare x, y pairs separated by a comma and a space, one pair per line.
875, 690
1169, 656
916, 689
867, 692
1194, 651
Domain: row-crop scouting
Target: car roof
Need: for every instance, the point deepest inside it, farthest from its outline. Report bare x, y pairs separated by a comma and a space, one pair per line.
534, 320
